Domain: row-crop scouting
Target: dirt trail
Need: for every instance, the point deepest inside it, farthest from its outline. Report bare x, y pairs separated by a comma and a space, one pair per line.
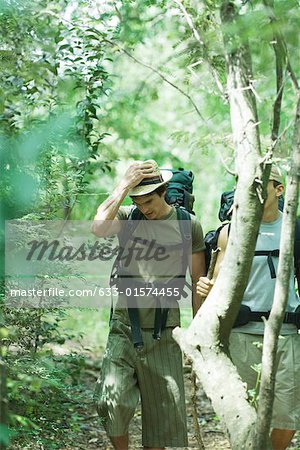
92, 437
86, 433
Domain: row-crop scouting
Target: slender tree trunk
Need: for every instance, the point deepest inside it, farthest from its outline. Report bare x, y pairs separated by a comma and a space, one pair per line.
280, 56
272, 327
206, 340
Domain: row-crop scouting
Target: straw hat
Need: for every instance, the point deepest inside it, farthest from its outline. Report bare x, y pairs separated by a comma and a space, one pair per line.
148, 185
275, 175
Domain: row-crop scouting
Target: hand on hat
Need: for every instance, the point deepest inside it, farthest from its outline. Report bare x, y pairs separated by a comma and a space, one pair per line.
136, 172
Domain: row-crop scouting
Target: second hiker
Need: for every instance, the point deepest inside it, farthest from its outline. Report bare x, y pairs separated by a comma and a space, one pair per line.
247, 336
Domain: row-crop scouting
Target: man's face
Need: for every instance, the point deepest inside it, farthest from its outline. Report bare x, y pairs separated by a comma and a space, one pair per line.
273, 194
150, 205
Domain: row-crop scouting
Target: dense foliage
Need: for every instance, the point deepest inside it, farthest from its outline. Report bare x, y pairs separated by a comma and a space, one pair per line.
87, 86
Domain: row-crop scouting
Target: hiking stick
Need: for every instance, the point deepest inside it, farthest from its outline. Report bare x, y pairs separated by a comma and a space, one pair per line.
214, 254
194, 412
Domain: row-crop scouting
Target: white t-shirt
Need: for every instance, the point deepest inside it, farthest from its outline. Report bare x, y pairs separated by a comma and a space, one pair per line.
260, 289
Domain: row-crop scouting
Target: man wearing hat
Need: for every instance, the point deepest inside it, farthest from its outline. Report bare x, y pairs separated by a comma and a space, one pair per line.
246, 340
152, 371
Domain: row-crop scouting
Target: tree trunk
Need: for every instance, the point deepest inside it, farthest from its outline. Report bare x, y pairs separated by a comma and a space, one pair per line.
206, 340
272, 327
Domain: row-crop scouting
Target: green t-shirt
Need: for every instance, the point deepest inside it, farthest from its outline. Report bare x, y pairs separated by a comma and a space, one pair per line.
165, 234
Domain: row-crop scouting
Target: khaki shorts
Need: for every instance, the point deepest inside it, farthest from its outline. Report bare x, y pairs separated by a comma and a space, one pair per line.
155, 375
286, 409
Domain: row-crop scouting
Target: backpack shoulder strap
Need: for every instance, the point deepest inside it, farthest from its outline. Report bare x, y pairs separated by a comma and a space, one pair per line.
127, 230
133, 313
130, 225
211, 244
135, 214
184, 219
214, 242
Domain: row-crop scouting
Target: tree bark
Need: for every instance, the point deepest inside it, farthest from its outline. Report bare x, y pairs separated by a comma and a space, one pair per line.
272, 327
206, 340
280, 55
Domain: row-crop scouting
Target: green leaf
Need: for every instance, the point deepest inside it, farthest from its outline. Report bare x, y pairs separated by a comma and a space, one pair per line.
64, 46
3, 333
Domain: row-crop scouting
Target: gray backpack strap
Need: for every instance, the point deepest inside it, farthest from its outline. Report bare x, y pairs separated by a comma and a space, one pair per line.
184, 219
133, 313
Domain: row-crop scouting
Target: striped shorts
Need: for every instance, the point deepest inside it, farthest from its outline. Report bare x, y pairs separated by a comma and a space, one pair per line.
153, 374
245, 353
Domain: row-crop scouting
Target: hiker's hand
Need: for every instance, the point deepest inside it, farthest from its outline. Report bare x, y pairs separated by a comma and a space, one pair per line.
136, 173
204, 286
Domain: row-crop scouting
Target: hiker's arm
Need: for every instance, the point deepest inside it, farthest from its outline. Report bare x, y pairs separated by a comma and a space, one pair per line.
197, 270
205, 285
105, 222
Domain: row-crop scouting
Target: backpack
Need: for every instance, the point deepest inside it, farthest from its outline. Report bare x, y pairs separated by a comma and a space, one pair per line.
179, 194
211, 237
180, 190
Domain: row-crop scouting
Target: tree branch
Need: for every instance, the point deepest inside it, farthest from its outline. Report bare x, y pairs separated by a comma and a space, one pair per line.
293, 76
194, 412
281, 57
203, 45
232, 172
279, 89
274, 143
123, 50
